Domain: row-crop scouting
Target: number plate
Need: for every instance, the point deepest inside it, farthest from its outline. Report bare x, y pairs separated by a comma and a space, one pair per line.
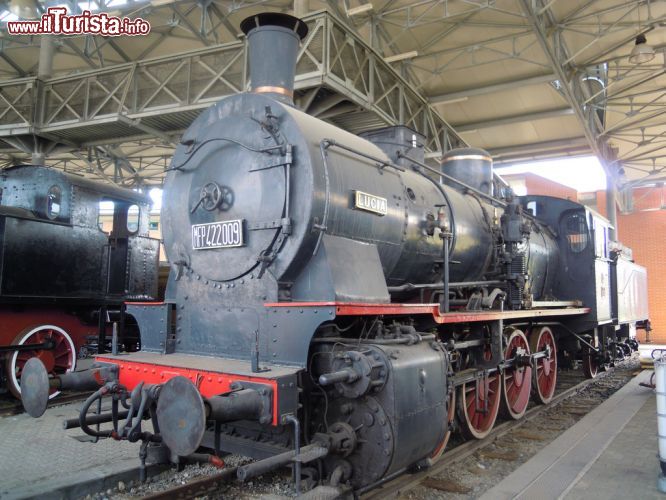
226, 234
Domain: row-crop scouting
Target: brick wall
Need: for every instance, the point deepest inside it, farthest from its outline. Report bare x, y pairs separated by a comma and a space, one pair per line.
539, 186
535, 184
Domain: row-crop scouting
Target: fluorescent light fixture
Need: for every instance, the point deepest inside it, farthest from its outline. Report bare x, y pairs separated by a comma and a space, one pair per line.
158, 3
642, 52
452, 101
401, 57
355, 11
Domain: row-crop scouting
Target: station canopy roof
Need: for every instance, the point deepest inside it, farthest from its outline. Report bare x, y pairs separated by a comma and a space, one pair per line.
524, 79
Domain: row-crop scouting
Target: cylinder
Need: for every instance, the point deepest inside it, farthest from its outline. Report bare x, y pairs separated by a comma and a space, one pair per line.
471, 166
243, 404
273, 41
87, 380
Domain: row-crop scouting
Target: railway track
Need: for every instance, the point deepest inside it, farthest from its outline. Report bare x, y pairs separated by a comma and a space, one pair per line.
197, 488
9, 407
570, 384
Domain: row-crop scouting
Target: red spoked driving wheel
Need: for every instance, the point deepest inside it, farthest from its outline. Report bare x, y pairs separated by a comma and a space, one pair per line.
60, 359
517, 380
545, 373
450, 416
478, 405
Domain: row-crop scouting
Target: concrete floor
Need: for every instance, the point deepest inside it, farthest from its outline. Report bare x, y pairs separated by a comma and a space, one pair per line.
38, 456
629, 467
609, 454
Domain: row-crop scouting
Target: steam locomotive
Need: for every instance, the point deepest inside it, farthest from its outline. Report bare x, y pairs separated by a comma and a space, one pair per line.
63, 279
337, 305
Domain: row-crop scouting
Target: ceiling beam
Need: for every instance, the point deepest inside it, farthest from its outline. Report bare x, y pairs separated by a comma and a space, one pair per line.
538, 147
552, 43
495, 87
508, 120
12, 63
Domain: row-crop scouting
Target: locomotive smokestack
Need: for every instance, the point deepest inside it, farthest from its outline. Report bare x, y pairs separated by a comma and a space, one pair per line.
273, 41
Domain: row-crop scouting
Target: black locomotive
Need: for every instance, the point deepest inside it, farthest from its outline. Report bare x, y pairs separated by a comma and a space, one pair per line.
334, 306
62, 279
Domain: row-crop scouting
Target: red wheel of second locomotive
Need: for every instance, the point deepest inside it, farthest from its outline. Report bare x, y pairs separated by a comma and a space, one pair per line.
517, 380
545, 373
60, 359
478, 406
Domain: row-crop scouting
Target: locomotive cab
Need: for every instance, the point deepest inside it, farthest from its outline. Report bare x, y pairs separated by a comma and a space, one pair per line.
50, 227
62, 278
582, 236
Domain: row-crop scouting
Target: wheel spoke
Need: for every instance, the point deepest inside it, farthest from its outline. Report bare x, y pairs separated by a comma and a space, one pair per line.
58, 360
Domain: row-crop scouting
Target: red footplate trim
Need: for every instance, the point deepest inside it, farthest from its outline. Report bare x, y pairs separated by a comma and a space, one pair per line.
401, 309
209, 383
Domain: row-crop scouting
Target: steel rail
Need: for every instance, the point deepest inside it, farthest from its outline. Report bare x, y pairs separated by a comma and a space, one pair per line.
199, 487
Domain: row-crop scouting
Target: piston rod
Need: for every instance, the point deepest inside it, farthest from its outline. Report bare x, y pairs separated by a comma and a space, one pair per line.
48, 345
260, 467
102, 418
85, 380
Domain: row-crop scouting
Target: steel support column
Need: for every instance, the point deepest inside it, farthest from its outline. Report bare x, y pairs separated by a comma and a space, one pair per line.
611, 207
46, 50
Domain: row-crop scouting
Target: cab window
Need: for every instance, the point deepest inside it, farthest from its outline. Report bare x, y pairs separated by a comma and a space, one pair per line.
576, 232
133, 219
105, 216
54, 202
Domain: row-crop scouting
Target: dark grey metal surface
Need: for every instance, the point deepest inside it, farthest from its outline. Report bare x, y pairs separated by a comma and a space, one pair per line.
181, 416
56, 250
34, 387
321, 188
343, 270
400, 421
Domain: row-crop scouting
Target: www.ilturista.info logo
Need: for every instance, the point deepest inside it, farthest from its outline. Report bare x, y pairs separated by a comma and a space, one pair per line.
57, 22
